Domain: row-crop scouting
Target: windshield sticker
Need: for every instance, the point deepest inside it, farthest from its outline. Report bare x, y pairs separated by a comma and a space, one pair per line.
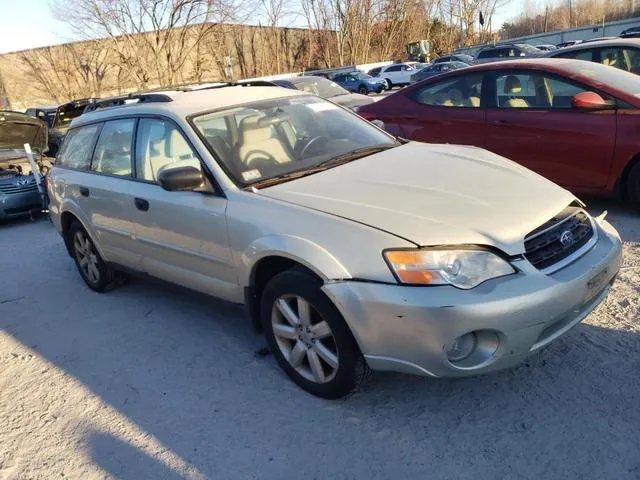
322, 107
249, 175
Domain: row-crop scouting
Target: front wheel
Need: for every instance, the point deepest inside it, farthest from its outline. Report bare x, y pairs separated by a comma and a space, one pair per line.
389, 83
362, 90
308, 336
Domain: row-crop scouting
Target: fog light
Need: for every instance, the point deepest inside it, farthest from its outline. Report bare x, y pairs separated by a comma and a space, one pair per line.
461, 347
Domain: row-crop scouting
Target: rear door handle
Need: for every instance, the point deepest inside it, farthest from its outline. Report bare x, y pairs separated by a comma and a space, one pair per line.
141, 204
84, 191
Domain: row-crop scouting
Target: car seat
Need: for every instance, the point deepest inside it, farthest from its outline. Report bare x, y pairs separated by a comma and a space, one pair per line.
512, 86
259, 143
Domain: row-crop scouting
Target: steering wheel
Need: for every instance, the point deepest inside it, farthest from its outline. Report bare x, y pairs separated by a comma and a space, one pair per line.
311, 143
260, 159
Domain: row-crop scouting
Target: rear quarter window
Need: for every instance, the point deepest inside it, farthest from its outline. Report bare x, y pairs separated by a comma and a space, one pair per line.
77, 148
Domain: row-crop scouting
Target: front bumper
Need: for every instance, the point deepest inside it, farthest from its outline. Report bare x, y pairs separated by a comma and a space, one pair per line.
405, 328
19, 204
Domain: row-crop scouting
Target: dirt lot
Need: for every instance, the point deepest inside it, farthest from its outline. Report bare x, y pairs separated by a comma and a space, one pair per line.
152, 381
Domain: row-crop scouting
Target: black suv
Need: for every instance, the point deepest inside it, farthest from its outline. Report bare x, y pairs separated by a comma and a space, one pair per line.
507, 51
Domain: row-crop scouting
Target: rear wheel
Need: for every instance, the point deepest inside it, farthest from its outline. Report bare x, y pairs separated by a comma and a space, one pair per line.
633, 185
94, 271
308, 336
362, 90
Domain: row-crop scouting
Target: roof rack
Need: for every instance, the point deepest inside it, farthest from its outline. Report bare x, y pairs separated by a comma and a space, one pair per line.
127, 99
214, 85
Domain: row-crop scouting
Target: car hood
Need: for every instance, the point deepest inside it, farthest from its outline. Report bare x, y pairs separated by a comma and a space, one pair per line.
16, 129
434, 195
352, 100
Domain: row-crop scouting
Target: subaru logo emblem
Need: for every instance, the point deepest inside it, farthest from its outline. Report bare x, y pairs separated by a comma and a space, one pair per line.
566, 238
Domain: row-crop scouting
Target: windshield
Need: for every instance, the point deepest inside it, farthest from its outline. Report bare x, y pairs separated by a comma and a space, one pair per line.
285, 136
319, 86
612, 77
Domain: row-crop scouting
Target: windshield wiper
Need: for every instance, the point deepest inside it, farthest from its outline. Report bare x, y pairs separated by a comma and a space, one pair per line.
354, 155
330, 163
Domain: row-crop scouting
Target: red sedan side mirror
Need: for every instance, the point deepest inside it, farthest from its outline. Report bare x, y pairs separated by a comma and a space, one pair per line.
591, 101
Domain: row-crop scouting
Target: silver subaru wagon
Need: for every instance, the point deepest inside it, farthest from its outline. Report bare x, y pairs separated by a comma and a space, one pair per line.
351, 249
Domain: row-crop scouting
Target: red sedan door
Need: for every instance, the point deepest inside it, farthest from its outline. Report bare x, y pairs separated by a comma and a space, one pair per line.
533, 123
447, 111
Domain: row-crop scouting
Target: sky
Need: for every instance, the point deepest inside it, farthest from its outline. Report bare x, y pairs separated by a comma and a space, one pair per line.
31, 23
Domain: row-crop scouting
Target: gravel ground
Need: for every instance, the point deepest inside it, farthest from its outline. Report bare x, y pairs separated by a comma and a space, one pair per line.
152, 381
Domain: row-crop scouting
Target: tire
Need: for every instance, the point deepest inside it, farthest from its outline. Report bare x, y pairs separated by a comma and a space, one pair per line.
389, 83
380, 90
94, 271
321, 337
633, 186
362, 90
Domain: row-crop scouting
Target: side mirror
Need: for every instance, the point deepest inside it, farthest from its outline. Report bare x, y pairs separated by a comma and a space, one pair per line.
181, 179
591, 101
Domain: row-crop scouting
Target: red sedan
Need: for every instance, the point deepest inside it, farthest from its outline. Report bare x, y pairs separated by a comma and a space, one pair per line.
575, 122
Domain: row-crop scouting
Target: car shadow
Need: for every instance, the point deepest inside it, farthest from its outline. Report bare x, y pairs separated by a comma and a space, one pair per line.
124, 461
186, 369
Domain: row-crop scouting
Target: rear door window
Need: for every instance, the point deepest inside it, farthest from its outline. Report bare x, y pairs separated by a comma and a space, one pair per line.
627, 59
113, 151
463, 91
78, 146
578, 55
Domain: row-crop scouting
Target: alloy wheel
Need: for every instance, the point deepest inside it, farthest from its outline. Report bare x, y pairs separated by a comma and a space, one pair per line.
87, 257
304, 338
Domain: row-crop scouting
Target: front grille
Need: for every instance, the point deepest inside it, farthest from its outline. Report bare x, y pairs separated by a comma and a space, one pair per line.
11, 188
559, 238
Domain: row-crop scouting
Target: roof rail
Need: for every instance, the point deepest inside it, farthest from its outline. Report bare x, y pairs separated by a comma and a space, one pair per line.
214, 85
126, 99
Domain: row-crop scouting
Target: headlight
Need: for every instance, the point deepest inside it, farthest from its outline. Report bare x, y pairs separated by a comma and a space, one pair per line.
461, 268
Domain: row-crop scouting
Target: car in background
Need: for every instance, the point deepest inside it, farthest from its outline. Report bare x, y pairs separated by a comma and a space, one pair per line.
468, 59
507, 51
359, 82
576, 123
325, 88
436, 69
546, 47
64, 115
46, 114
19, 193
350, 249
633, 32
395, 75
569, 43
620, 53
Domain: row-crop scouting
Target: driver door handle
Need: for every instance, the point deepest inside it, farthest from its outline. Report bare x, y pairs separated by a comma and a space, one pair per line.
141, 204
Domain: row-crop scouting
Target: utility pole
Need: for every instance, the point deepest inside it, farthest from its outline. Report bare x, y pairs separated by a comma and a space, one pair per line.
460, 13
570, 14
546, 17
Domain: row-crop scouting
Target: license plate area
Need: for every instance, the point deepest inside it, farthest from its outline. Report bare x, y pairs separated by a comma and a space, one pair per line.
596, 283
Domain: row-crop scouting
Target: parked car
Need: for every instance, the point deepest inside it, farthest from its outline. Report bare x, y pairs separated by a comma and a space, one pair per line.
468, 59
326, 89
599, 39
573, 122
359, 82
19, 194
436, 69
351, 249
507, 51
633, 32
569, 43
546, 47
63, 117
620, 53
46, 114
397, 74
